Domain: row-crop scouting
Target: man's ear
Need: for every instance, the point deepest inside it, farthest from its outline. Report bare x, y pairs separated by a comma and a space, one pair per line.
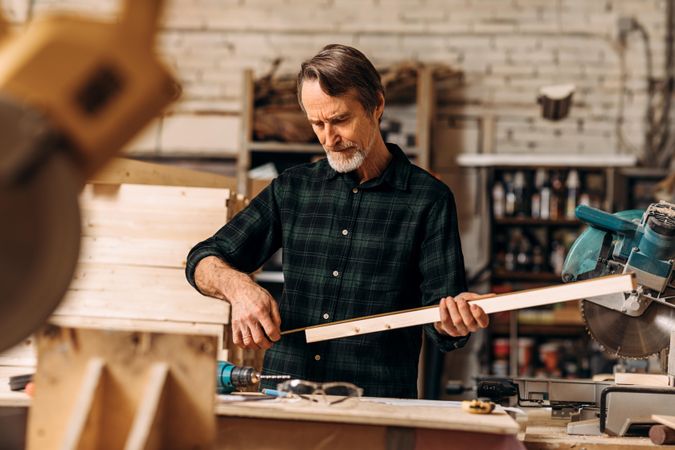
379, 109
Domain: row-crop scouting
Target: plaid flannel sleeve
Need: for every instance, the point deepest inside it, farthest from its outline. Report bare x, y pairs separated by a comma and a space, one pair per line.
246, 241
442, 264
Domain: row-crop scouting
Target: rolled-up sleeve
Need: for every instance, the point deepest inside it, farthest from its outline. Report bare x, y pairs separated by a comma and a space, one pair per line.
246, 241
441, 264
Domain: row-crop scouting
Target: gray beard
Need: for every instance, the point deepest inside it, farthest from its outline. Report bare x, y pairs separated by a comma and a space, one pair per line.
343, 165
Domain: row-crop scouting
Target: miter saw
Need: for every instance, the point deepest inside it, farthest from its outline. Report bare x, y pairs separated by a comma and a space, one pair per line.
638, 324
73, 91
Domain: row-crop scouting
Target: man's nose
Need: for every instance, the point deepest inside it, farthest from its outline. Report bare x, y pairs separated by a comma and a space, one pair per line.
331, 137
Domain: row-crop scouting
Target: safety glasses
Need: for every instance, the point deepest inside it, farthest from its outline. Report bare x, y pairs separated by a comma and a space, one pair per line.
327, 393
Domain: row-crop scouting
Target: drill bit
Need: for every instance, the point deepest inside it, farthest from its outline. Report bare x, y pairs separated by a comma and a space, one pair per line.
257, 377
275, 377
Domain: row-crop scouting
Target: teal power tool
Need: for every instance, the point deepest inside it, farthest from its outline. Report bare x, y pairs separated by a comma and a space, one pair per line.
229, 377
636, 324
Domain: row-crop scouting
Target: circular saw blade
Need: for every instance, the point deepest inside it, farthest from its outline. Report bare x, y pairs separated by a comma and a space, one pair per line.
626, 336
39, 244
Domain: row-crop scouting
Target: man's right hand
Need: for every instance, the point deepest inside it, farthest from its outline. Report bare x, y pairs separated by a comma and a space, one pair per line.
256, 322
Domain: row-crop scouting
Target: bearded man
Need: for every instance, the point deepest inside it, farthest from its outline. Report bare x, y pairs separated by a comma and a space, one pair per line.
363, 232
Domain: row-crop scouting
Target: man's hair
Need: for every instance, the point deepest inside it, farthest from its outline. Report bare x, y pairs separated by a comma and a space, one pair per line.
339, 68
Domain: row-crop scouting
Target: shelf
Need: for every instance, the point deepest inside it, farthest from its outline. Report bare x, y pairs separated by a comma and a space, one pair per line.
499, 274
284, 147
550, 161
530, 221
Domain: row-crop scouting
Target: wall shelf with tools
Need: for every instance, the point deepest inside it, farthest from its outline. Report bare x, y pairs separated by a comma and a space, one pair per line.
532, 224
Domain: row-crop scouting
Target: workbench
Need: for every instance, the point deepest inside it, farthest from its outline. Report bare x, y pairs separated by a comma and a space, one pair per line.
375, 425
545, 433
368, 423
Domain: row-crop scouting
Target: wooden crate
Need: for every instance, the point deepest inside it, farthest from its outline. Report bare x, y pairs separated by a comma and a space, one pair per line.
135, 240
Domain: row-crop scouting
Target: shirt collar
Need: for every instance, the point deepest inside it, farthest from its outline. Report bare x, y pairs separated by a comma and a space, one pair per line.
396, 174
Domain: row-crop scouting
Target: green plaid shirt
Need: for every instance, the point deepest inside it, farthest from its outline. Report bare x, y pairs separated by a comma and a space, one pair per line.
350, 250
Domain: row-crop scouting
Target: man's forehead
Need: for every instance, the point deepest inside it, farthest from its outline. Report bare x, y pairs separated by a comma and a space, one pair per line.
316, 101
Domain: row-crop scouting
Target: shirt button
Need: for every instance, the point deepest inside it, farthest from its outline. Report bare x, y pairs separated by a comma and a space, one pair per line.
345, 232
317, 357
326, 315
355, 190
336, 273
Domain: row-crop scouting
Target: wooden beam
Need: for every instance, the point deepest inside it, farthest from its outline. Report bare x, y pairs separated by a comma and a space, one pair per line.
146, 430
82, 431
120, 170
507, 302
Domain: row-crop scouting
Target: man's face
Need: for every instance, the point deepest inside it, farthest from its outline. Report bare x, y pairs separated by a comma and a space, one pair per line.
346, 131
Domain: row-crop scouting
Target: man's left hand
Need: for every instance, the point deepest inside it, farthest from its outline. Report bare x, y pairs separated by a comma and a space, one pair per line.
459, 317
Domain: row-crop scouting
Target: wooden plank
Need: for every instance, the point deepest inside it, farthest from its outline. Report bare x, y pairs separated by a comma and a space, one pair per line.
146, 430
152, 326
120, 277
427, 414
124, 250
192, 226
505, 302
127, 196
123, 170
136, 292
83, 429
668, 421
163, 305
642, 379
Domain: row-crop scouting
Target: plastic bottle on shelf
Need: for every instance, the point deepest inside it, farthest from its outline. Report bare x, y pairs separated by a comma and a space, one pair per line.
520, 207
545, 195
535, 207
509, 196
557, 197
572, 184
498, 198
523, 257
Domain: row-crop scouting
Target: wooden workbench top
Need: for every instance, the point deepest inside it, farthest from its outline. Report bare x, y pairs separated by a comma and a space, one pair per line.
545, 433
369, 411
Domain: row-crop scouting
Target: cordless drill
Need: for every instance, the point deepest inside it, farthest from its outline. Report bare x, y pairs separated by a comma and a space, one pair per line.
229, 377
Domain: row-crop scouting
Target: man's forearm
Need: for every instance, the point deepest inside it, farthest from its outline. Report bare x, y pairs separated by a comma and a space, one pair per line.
216, 278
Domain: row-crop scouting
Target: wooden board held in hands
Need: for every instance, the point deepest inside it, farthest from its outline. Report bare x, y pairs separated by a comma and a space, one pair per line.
506, 302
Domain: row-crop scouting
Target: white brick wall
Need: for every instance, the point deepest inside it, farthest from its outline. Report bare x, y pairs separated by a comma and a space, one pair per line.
506, 48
